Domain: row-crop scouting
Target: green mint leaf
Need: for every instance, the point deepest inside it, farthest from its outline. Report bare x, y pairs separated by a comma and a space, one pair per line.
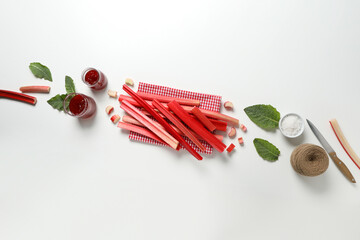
40, 71
266, 150
69, 85
57, 102
265, 116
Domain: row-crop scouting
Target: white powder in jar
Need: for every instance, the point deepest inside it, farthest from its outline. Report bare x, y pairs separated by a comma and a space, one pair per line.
291, 125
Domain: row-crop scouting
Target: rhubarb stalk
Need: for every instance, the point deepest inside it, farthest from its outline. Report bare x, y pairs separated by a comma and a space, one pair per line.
18, 96
203, 119
162, 121
35, 89
140, 130
196, 126
165, 99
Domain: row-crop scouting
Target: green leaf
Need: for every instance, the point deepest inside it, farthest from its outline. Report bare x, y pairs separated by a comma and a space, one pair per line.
57, 102
69, 85
40, 71
265, 116
266, 150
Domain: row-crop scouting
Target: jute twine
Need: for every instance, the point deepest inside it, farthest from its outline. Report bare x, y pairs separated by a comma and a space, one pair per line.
309, 160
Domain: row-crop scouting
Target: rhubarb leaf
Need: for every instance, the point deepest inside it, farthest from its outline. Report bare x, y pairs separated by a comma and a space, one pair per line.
69, 85
40, 71
57, 102
266, 150
265, 116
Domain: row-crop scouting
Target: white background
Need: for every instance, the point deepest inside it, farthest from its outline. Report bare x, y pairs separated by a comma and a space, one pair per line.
61, 178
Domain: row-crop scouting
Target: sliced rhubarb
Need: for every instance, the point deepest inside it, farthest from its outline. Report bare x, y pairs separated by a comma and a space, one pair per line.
140, 130
161, 120
18, 96
230, 147
203, 119
131, 120
166, 137
165, 99
196, 126
178, 124
344, 143
35, 89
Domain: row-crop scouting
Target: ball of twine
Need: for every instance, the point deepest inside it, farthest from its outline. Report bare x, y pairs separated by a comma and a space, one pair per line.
309, 160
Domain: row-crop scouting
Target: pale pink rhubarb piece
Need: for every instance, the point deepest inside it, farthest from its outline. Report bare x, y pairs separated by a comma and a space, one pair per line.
109, 109
241, 140
112, 93
115, 118
35, 89
129, 82
232, 132
229, 105
242, 126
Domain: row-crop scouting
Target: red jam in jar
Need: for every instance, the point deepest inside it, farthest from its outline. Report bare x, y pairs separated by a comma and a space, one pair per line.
79, 105
94, 78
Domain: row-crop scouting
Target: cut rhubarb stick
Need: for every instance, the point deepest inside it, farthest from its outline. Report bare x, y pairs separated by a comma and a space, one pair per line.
178, 124
344, 143
242, 126
161, 120
140, 130
115, 118
229, 105
241, 140
196, 126
131, 120
203, 119
18, 96
230, 147
232, 132
112, 93
166, 137
215, 116
109, 109
165, 99
129, 82
35, 89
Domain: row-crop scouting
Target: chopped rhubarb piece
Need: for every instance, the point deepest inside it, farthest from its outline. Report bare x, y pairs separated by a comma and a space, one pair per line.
112, 93
178, 124
165, 136
229, 105
109, 109
242, 126
162, 121
230, 147
232, 132
35, 89
241, 140
196, 126
140, 130
203, 119
129, 82
115, 118
18, 96
165, 99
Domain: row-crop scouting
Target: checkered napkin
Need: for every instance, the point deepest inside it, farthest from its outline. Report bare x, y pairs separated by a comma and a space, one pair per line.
207, 101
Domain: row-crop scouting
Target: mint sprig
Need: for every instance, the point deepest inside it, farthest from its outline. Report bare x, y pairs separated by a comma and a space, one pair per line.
57, 102
40, 71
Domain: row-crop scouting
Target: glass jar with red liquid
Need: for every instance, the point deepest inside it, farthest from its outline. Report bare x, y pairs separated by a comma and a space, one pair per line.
79, 105
94, 78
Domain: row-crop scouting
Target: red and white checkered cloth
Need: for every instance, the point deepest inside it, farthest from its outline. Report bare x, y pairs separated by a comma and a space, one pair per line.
207, 101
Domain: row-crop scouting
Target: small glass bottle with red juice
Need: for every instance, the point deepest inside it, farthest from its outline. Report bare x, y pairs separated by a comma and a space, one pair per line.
94, 78
79, 105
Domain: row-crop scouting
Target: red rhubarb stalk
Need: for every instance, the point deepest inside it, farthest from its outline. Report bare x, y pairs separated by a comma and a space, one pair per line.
165, 99
203, 119
211, 114
166, 137
140, 130
196, 126
131, 120
35, 89
178, 124
18, 96
161, 120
